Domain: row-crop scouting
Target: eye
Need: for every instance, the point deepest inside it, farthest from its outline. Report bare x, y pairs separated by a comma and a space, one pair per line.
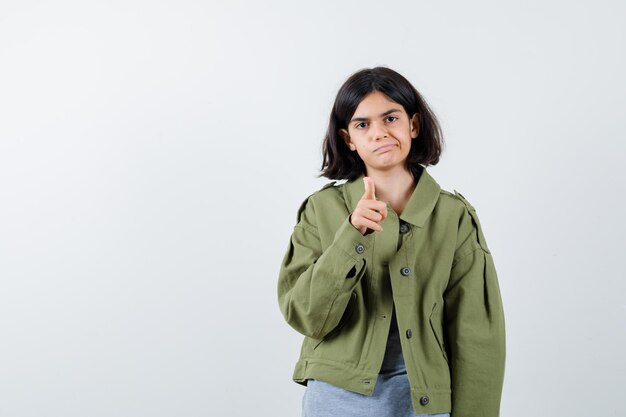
392, 117
357, 126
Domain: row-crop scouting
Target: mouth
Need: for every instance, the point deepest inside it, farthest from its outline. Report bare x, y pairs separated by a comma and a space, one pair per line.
385, 148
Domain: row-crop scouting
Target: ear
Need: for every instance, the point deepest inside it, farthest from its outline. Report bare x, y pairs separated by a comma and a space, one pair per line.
346, 137
415, 125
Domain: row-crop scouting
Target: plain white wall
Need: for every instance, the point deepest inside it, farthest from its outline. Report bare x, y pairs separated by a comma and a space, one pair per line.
153, 155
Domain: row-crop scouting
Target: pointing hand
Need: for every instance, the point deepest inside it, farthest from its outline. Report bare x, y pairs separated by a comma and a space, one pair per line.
369, 211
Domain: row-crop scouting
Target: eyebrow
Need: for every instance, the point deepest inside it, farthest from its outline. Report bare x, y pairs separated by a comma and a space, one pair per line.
365, 119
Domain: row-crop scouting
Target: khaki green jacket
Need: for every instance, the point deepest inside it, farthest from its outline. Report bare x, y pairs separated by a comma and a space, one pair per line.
338, 289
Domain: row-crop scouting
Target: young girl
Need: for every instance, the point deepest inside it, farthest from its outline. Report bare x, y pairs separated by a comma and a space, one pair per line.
388, 276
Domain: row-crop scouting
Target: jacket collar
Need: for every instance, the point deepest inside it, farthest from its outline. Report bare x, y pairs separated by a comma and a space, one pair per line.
418, 208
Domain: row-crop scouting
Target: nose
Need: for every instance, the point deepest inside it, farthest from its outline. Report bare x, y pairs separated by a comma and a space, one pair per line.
378, 130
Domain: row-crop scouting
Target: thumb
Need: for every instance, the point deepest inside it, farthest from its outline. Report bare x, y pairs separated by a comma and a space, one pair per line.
369, 189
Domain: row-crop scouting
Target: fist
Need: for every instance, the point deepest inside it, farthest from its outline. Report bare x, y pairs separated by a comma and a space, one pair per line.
369, 211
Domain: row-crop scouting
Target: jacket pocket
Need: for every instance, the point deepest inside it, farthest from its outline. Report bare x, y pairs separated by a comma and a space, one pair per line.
435, 325
346, 316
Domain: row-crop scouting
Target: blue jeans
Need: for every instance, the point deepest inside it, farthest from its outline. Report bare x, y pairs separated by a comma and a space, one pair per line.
391, 398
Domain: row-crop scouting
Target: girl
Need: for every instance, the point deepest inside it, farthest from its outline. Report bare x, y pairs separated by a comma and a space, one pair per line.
388, 276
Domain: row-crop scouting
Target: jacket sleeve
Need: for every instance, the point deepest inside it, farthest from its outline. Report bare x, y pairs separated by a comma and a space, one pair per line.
315, 284
475, 325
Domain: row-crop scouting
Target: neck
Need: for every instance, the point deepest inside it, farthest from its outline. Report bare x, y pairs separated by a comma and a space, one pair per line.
394, 187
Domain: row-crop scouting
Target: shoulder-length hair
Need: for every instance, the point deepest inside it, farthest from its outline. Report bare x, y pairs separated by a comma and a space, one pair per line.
341, 163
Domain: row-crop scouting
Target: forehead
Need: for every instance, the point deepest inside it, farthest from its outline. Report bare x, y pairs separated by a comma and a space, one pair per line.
375, 103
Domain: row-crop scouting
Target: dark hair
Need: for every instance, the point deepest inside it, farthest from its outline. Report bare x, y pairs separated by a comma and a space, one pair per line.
341, 163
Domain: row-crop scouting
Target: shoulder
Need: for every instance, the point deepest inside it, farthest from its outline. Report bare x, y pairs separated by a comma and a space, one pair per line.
307, 206
468, 221
456, 199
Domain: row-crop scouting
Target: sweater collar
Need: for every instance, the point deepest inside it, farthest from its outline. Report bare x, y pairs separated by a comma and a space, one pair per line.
418, 208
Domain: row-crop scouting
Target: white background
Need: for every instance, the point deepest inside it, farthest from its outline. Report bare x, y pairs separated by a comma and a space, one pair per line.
153, 155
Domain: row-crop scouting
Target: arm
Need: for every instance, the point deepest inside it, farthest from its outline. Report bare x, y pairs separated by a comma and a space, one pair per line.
315, 284
474, 324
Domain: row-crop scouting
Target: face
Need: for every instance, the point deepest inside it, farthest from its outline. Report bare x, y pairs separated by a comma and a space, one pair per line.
381, 132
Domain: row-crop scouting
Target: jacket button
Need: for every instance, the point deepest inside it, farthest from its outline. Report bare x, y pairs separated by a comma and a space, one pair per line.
359, 248
409, 334
406, 271
404, 228
424, 400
